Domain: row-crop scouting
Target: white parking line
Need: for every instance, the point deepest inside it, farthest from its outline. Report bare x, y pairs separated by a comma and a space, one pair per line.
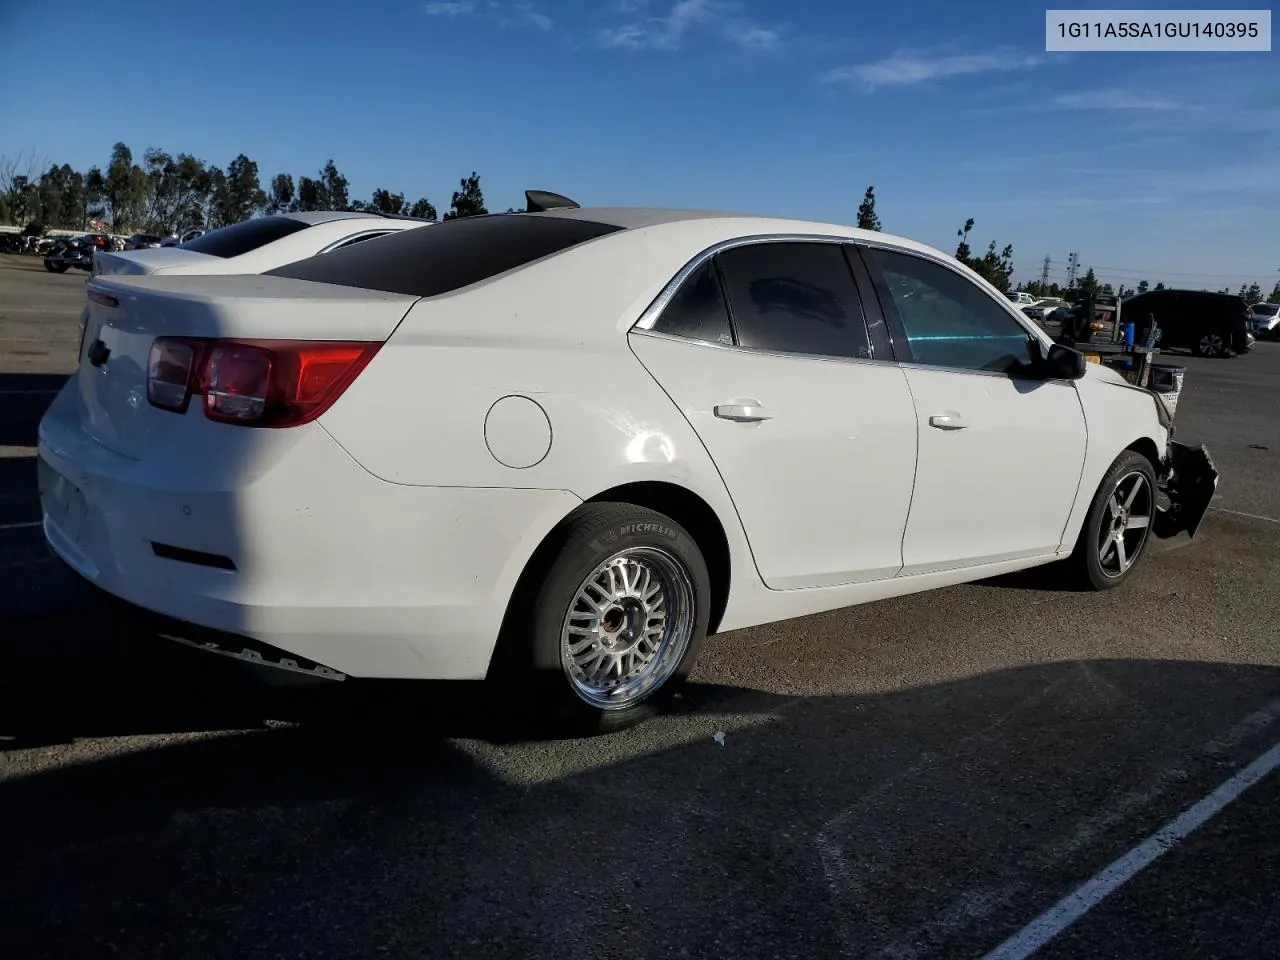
1102, 884
1241, 513
20, 526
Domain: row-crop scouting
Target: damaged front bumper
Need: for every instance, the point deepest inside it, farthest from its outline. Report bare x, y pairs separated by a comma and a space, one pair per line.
1189, 481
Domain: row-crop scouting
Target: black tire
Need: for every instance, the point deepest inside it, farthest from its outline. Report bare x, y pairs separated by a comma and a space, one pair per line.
1086, 564
528, 664
56, 267
1211, 344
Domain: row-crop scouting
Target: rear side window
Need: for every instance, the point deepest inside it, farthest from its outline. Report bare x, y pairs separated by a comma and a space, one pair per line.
243, 237
795, 297
698, 310
439, 258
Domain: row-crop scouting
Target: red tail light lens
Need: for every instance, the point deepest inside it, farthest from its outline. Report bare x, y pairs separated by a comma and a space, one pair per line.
257, 383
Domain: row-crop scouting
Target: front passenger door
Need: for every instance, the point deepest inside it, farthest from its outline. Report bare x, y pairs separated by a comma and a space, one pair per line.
1000, 456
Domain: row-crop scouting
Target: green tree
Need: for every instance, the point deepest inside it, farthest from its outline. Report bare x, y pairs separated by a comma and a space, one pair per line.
1089, 283
281, 196
867, 219
468, 200
384, 201
422, 207
242, 196
335, 187
311, 195
1253, 294
962, 249
1160, 285
995, 268
95, 194
1275, 294
1142, 286
126, 189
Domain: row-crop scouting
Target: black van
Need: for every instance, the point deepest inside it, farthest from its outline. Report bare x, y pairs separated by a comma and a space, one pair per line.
1207, 324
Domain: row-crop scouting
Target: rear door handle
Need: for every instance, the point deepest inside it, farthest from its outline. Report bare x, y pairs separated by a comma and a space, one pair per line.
747, 412
948, 421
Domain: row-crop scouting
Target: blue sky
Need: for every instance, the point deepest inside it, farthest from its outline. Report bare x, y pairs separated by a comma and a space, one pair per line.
1150, 165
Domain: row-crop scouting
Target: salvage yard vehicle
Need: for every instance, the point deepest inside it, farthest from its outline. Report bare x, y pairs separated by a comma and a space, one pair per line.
258, 244
556, 449
1207, 324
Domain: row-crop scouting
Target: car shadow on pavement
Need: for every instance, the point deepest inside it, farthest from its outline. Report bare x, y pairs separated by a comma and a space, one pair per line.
24, 397
740, 822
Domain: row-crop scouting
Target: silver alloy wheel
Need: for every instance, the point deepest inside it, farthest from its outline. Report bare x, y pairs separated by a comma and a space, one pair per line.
1211, 345
1124, 527
628, 627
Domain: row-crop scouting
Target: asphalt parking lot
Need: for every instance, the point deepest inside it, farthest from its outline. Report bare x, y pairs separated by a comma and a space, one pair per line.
922, 777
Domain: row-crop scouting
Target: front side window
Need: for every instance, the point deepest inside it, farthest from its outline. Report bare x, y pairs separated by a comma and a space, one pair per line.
949, 321
698, 310
795, 297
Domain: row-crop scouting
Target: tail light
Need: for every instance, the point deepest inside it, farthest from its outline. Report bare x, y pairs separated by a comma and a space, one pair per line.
254, 383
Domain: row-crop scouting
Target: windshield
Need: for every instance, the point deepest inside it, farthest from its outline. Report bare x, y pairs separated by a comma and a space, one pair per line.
1267, 309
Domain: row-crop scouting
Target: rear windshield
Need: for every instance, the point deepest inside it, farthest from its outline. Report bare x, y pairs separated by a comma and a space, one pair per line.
242, 237
1267, 309
439, 258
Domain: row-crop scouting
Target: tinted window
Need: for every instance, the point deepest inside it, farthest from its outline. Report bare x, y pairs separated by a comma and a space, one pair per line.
794, 298
242, 237
698, 311
949, 321
435, 259
1267, 309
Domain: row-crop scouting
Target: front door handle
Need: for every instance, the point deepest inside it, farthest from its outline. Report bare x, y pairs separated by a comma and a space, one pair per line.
748, 411
948, 421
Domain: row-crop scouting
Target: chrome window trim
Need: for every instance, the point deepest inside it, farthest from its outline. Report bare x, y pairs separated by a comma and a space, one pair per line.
371, 234
756, 351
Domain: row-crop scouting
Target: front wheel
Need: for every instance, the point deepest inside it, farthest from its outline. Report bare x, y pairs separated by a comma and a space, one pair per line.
1118, 525
55, 267
615, 624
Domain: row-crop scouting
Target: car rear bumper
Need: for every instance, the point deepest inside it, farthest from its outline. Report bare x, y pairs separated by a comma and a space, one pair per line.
309, 554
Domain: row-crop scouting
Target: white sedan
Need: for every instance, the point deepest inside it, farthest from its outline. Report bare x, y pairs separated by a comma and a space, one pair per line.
557, 449
258, 244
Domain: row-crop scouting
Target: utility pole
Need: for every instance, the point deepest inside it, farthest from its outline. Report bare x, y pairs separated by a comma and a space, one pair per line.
1044, 277
1073, 264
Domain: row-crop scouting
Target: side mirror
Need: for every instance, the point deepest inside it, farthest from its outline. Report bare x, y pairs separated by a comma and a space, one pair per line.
1063, 363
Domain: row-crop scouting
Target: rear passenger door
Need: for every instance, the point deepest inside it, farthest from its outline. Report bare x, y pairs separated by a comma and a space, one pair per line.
766, 351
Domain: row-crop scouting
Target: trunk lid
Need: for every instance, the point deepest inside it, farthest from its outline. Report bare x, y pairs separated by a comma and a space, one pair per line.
126, 314
150, 260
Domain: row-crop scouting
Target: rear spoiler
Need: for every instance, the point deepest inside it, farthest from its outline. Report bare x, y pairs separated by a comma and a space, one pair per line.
536, 201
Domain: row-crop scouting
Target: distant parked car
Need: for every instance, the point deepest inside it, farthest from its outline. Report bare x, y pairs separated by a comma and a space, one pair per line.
79, 252
143, 241
253, 246
1021, 299
1207, 324
1266, 320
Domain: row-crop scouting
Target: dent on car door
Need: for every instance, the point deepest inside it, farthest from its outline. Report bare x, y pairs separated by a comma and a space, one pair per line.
766, 352
1000, 455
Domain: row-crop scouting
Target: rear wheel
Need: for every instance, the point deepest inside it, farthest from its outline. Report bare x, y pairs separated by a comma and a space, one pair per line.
1118, 525
1211, 344
56, 267
615, 624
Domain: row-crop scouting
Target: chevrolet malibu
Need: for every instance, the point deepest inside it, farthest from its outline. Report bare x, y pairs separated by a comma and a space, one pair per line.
556, 449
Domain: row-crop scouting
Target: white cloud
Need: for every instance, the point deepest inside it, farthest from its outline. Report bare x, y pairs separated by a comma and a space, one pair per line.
668, 31
502, 13
1113, 99
909, 67
449, 8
